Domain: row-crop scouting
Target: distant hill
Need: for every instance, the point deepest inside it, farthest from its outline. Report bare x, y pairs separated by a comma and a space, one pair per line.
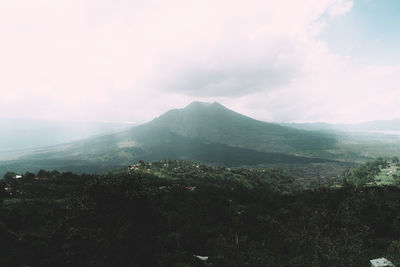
16, 134
379, 126
362, 141
313, 126
204, 132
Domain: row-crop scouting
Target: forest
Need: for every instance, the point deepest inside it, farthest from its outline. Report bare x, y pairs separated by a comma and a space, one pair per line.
166, 213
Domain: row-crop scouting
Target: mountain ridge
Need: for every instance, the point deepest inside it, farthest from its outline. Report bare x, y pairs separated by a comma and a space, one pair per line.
205, 132
215, 122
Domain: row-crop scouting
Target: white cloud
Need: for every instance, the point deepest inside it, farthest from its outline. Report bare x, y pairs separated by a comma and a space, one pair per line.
340, 7
131, 60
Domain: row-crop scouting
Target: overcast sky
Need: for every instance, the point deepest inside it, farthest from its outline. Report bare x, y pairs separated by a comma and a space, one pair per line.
128, 60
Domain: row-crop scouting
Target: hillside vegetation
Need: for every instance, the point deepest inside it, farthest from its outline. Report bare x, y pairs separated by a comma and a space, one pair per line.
163, 213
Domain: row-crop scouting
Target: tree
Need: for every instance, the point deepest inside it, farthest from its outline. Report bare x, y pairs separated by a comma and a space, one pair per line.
43, 173
9, 175
3, 192
393, 252
28, 176
115, 220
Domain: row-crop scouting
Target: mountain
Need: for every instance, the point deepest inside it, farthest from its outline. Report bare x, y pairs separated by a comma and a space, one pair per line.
16, 134
216, 123
204, 132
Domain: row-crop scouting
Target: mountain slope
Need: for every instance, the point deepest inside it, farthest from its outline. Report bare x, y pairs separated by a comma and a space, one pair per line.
18, 134
216, 123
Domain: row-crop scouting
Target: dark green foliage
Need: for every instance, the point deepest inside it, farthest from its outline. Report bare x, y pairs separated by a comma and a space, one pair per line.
9, 175
116, 218
163, 213
365, 173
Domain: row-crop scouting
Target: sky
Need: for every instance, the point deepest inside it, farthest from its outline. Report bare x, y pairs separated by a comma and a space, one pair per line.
127, 60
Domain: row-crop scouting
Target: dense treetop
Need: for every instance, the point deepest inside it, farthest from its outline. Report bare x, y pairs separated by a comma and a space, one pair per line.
162, 213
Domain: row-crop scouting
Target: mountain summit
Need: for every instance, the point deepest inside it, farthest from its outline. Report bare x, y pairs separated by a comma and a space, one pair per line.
216, 123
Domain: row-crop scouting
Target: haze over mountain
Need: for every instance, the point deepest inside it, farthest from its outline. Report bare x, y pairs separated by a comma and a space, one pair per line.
362, 141
378, 126
16, 134
204, 132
